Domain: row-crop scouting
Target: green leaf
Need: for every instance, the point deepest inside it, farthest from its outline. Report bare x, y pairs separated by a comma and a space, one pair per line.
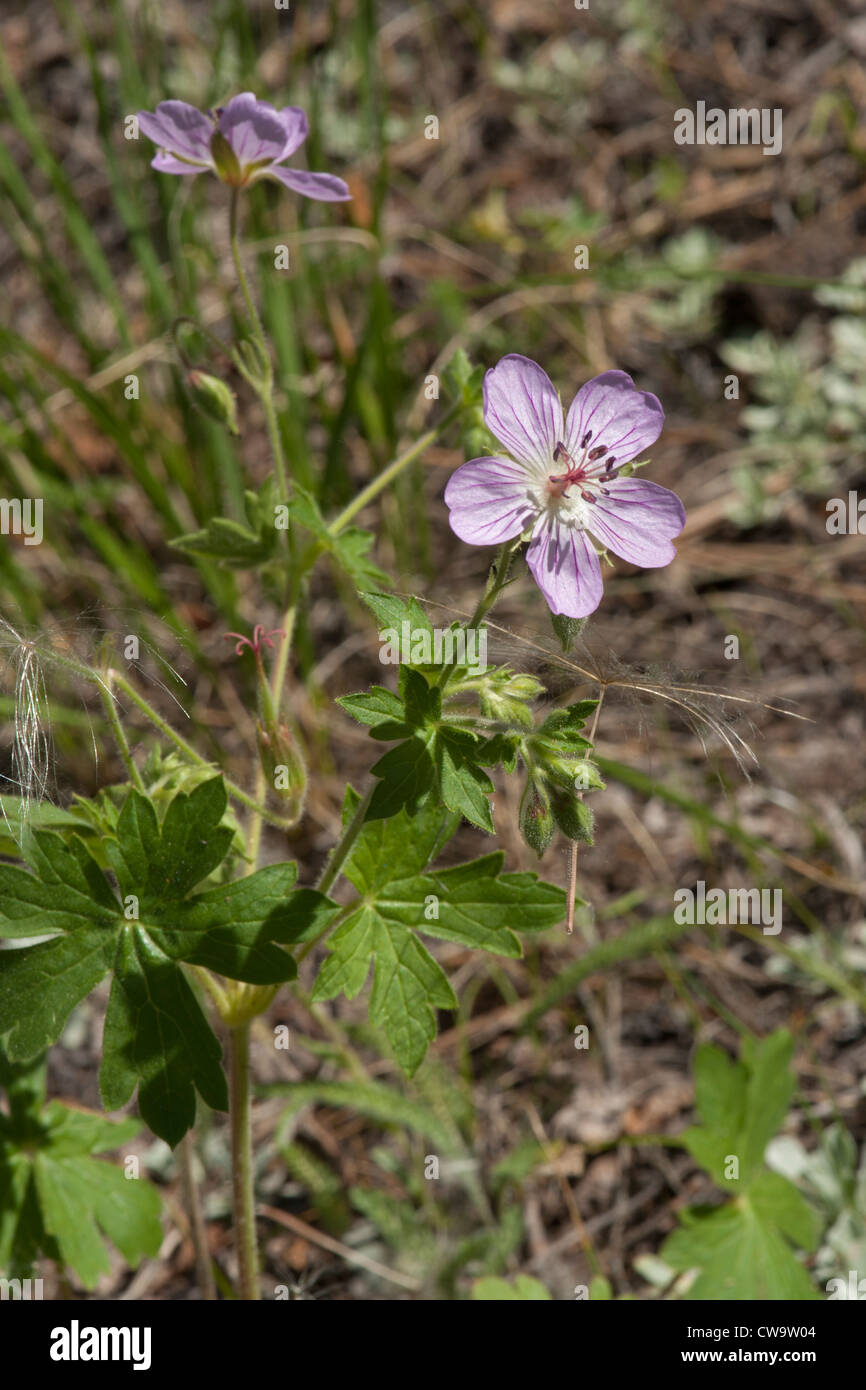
243, 547
375, 707
156, 1035
771, 1085
741, 1249
740, 1254
474, 904
435, 755
407, 773
348, 550
742, 1105
58, 1200
230, 541
391, 612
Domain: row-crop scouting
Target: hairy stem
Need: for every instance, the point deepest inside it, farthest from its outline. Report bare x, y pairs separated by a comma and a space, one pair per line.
264, 382
277, 685
341, 850
107, 698
497, 579
572, 877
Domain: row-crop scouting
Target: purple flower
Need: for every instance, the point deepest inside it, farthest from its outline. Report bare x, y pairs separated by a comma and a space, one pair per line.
242, 142
563, 480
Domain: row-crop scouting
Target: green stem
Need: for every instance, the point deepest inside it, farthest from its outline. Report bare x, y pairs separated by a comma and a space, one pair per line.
341, 850
497, 579
117, 729
186, 748
381, 481
277, 684
242, 278
243, 1188
266, 396
263, 384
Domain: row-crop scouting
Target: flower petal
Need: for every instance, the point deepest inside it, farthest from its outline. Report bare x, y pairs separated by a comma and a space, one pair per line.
168, 164
638, 521
488, 501
180, 129
523, 411
326, 188
622, 419
253, 128
565, 567
297, 128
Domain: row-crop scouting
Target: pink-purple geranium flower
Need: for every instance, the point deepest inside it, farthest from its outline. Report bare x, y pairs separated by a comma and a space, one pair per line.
562, 479
242, 142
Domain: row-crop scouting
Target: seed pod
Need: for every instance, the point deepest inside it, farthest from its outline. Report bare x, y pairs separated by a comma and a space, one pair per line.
536, 819
283, 764
214, 398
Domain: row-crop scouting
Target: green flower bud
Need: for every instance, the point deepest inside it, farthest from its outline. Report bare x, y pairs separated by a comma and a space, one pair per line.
523, 687
283, 763
572, 815
536, 819
214, 398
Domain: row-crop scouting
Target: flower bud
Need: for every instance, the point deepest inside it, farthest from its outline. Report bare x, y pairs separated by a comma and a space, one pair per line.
523, 687
283, 763
214, 398
536, 819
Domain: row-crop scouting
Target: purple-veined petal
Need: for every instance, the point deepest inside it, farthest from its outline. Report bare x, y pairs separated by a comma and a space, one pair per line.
297, 128
523, 411
638, 521
565, 567
253, 128
488, 501
327, 188
623, 420
180, 129
169, 164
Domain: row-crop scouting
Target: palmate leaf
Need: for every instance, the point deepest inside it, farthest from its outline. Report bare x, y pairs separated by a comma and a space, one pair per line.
56, 1198
474, 904
743, 1249
433, 755
156, 1036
